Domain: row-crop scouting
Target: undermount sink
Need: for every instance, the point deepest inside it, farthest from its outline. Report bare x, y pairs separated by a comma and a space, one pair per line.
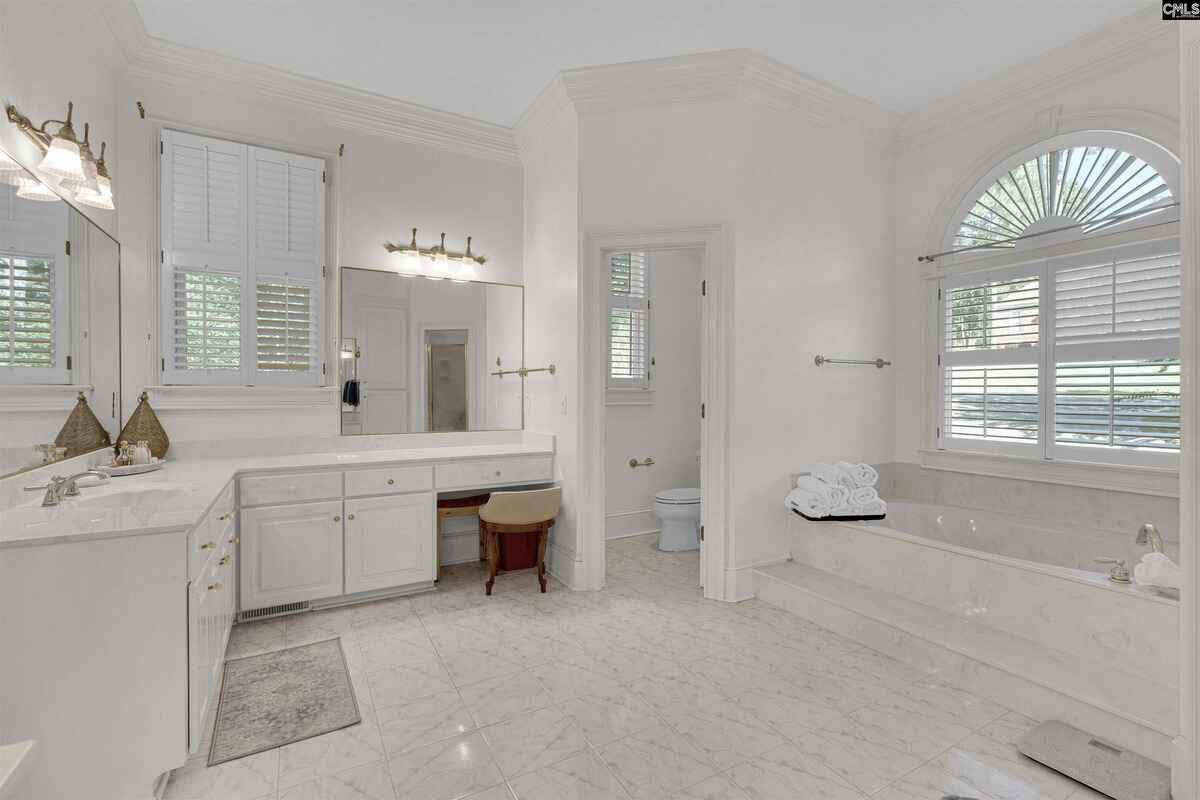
159, 496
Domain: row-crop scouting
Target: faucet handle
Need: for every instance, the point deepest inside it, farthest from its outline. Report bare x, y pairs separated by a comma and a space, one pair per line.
1119, 572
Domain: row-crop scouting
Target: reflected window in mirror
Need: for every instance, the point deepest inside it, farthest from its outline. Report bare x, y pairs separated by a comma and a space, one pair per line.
423, 355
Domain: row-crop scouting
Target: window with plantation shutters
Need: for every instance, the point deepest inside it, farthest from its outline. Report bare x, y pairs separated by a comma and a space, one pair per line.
1073, 358
33, 320
628, 320
243, 253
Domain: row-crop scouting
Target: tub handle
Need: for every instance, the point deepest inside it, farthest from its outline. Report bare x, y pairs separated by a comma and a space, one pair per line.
1119, 572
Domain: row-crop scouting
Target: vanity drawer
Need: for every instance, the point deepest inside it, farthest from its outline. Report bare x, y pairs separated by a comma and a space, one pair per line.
388, 480
261, 490
534, 469
203, 543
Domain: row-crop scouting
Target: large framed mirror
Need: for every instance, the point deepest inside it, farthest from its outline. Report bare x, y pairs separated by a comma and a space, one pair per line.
60, 320
427, 355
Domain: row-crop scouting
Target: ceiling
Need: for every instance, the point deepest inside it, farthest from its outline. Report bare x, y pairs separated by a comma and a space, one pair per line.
488, 59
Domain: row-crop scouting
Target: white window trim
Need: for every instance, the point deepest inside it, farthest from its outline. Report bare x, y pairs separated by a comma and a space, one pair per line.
59, 374
1144, 470
630, 391
248, 376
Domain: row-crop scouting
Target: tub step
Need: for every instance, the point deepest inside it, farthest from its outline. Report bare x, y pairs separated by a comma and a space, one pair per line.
1106, 768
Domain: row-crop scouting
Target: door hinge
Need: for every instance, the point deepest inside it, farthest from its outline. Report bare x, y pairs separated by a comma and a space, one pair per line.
703, 288
939, 359
324, 272
322, 367
68, 363
68, 244
322, 176
939, 431
163, 363
702, 409
161, 257
702, 533
939, 294
161, 148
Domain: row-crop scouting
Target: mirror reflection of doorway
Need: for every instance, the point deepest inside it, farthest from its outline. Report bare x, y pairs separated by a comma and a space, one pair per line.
447, 399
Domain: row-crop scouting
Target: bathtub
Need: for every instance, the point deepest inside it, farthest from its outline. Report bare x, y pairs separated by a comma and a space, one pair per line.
1012, 609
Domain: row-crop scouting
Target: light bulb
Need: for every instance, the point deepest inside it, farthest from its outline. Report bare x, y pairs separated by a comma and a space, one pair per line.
62, 160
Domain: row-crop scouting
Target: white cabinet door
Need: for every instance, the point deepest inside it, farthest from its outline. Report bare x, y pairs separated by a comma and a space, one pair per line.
389, 541
199, 660
291, 553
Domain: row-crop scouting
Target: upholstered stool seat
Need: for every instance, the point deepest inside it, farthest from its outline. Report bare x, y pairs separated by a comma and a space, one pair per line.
531, 513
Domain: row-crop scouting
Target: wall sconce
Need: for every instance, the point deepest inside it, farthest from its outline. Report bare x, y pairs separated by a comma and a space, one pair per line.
443, 263
66, 158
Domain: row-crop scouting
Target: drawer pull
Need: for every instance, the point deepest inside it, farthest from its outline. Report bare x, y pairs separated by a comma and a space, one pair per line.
226, 516
224, 562
497, 473
351, 517
215, 587
391, 481
235, 540
208, 545
337, 518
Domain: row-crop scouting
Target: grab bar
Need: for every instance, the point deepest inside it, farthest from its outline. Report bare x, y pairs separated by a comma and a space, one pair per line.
878, 363
524, 371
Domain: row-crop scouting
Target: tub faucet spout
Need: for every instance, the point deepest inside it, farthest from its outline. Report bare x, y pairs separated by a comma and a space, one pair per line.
1148, 534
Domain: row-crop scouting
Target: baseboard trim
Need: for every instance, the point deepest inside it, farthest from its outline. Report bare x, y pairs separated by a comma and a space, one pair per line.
620, 524
631, 535
743, 582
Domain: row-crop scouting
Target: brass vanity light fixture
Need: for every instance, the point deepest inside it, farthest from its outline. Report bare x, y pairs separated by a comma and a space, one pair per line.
67, 159
444, 263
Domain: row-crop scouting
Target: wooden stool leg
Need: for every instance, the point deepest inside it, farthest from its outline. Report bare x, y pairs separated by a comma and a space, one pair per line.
543, 535
493, 548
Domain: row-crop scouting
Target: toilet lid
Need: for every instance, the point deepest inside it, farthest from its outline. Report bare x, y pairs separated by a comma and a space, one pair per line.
679, 496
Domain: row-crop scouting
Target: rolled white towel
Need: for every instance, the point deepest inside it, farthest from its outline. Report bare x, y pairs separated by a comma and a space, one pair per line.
833, 475
872, 508
846, 510
1156, 569
834, 495
808, 503
863, 475
863, 495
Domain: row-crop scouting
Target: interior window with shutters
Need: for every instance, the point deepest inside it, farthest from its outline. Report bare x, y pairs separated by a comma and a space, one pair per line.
1073, 358
628, 321
243, 234
33, 320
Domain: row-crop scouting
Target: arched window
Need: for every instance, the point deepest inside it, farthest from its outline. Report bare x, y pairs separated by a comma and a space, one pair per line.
1073, 355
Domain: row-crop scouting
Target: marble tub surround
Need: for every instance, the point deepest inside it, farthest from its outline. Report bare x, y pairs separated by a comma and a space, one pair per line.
177, 496
1063, 505
1047, 627
610, 701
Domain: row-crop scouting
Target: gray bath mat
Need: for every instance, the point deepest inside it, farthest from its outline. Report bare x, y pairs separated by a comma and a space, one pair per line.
281, 697
1108, 769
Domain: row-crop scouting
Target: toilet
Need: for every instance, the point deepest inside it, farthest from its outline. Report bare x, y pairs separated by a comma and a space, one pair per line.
678, 511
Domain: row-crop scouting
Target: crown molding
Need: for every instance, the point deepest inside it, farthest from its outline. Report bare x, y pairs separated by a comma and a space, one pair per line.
549, 113
710, 77
1127, 41
125, 23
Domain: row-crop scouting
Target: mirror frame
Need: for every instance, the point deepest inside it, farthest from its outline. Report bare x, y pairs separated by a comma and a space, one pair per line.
337, 346
119, 320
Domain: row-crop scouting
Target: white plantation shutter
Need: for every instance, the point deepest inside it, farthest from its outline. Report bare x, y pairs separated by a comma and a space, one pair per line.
628, 320
990, 353
33, 320
243, 251
287, 224
1102, 385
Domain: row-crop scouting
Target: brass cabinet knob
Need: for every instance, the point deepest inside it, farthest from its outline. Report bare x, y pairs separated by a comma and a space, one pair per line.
235, 540
351, 517
208, 545
497, 473
225, 560
391, 482
215, 587
337, 517
226, 516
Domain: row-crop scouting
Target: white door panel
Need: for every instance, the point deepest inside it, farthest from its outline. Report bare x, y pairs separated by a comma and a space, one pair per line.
291, 553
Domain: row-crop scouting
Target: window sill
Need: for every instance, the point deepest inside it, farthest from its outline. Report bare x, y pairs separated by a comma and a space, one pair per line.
28, 397
1159, 481
628, 397
207, 399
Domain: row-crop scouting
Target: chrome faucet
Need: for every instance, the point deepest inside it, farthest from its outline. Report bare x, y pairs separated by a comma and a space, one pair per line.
1148, 534
60, 487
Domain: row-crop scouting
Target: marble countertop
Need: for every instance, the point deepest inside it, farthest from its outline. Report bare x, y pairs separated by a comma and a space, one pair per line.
177, 496
15, 760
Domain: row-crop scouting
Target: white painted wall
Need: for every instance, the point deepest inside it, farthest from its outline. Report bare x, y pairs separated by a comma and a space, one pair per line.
664, 425
936, 169
379, 189
552, 254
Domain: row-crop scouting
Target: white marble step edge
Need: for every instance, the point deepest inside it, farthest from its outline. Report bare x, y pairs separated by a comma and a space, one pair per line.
790, 583
15, 761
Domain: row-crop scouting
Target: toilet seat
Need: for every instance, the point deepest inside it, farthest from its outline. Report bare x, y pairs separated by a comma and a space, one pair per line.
678, 497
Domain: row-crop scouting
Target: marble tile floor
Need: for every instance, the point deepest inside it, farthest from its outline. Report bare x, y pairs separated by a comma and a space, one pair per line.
644, 691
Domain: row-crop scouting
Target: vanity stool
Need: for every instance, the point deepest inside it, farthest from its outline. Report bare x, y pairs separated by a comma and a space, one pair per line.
530, 513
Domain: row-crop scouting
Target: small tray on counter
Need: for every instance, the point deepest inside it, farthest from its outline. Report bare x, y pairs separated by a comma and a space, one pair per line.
132, 469
849, 518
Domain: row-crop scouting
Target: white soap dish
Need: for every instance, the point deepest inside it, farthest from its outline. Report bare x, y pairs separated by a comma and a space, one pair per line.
133, 469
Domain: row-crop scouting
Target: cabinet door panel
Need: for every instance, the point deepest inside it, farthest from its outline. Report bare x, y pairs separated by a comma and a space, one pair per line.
389, 541
291, 553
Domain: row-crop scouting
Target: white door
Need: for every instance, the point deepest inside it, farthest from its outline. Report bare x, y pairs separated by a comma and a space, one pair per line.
389, 541
383, 367
291, 553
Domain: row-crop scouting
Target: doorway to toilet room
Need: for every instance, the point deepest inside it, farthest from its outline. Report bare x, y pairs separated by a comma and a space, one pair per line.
651, 400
